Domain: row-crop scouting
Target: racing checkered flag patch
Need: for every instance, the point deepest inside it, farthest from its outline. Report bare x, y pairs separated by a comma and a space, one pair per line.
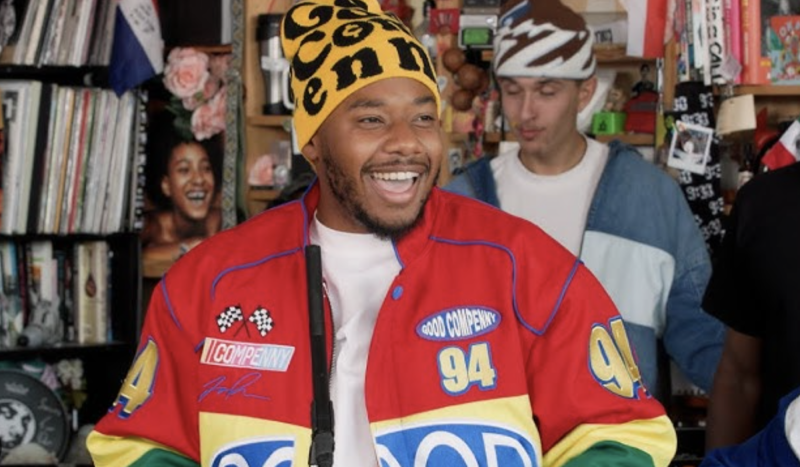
231, 315
263, 320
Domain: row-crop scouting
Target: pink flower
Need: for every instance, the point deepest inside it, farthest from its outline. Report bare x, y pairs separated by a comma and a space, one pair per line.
197, 99
209, 118
186, 72
260, 173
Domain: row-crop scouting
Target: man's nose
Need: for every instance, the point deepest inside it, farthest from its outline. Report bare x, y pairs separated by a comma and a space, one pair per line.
403, 139
530, 107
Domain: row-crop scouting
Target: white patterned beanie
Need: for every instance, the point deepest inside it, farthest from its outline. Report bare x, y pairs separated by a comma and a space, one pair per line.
542, 39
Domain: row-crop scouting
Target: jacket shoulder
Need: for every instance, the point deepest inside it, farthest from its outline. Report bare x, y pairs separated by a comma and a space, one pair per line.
629, 172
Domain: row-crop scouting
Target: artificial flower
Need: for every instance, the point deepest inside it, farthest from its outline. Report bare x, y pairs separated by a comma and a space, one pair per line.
198, 84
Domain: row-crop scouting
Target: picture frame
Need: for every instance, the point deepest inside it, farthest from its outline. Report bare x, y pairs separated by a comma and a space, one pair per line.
690, 146
186, 155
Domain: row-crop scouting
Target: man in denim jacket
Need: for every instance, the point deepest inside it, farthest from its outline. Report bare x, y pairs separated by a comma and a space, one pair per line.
626, 219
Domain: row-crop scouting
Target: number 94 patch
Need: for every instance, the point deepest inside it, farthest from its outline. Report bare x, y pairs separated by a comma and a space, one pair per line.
611, 360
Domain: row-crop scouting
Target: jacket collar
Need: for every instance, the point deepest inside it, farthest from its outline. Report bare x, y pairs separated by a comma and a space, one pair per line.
407, 248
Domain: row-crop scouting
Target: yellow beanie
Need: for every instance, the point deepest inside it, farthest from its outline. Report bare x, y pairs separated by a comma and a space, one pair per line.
336, 47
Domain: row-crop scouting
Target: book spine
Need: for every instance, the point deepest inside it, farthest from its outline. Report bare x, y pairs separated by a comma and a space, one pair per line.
733, 32
717, 49
43, 133
12, 315
139, 179
755, 67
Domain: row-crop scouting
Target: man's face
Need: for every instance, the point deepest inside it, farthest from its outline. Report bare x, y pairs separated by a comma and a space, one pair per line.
378, 155
543, 112
189, 181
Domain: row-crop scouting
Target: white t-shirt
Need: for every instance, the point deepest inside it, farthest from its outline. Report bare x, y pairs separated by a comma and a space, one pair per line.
559, 204
358, 270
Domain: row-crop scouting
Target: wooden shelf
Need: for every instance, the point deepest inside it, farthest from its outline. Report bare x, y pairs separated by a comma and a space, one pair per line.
605, 55
268, 120
768, 90
615, 55
634, 139
259, 194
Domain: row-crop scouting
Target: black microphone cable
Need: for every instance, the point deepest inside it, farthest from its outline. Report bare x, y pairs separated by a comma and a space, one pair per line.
321, 452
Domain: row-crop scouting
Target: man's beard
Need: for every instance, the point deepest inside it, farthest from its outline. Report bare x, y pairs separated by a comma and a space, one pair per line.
343, 188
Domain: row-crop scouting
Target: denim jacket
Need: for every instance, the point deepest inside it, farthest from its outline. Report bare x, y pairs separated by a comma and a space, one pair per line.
643, 244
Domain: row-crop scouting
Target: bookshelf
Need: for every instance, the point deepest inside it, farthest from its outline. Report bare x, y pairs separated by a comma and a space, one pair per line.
71, 254
55, 209
102, 379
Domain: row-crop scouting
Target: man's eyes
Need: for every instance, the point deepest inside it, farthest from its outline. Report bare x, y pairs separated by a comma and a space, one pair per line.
546, 92
370, 120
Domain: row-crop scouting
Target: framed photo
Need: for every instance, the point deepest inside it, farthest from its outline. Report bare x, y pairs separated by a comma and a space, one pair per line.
185, 156
689, 149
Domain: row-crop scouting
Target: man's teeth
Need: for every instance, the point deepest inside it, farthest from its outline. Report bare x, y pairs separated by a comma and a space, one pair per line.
395, 175
197, 196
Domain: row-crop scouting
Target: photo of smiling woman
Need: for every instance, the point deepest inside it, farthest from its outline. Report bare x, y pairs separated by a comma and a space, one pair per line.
183, 185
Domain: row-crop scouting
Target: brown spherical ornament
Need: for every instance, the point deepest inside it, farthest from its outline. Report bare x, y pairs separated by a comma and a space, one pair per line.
469, 77
461, 100
485, 81
453, 58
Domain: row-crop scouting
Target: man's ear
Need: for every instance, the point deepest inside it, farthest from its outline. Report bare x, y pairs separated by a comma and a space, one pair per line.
586, 91
312, 151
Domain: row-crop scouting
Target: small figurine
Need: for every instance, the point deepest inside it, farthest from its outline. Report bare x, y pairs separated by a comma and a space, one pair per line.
619, 94
644, 84
615, 100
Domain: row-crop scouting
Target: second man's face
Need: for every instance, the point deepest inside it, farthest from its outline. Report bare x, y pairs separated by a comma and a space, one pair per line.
543, 111
378, 155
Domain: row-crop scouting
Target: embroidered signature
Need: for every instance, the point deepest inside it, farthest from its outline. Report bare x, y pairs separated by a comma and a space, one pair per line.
239, 388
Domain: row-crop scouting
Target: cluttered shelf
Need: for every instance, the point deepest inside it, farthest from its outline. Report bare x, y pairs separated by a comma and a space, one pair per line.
776, 90
268, 120
634, 139
764, 90
605, 54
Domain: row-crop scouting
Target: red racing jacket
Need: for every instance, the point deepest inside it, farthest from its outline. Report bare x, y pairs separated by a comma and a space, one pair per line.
494, 346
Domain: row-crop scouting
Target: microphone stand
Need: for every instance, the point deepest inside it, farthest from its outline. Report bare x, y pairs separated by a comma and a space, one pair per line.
321, 452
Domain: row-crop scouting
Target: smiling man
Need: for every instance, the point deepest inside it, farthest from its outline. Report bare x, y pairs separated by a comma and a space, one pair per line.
457, 334
625, 218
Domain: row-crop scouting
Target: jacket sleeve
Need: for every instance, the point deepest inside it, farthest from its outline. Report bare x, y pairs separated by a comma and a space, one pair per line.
692, 338
153, 421
770, 447
589, 402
